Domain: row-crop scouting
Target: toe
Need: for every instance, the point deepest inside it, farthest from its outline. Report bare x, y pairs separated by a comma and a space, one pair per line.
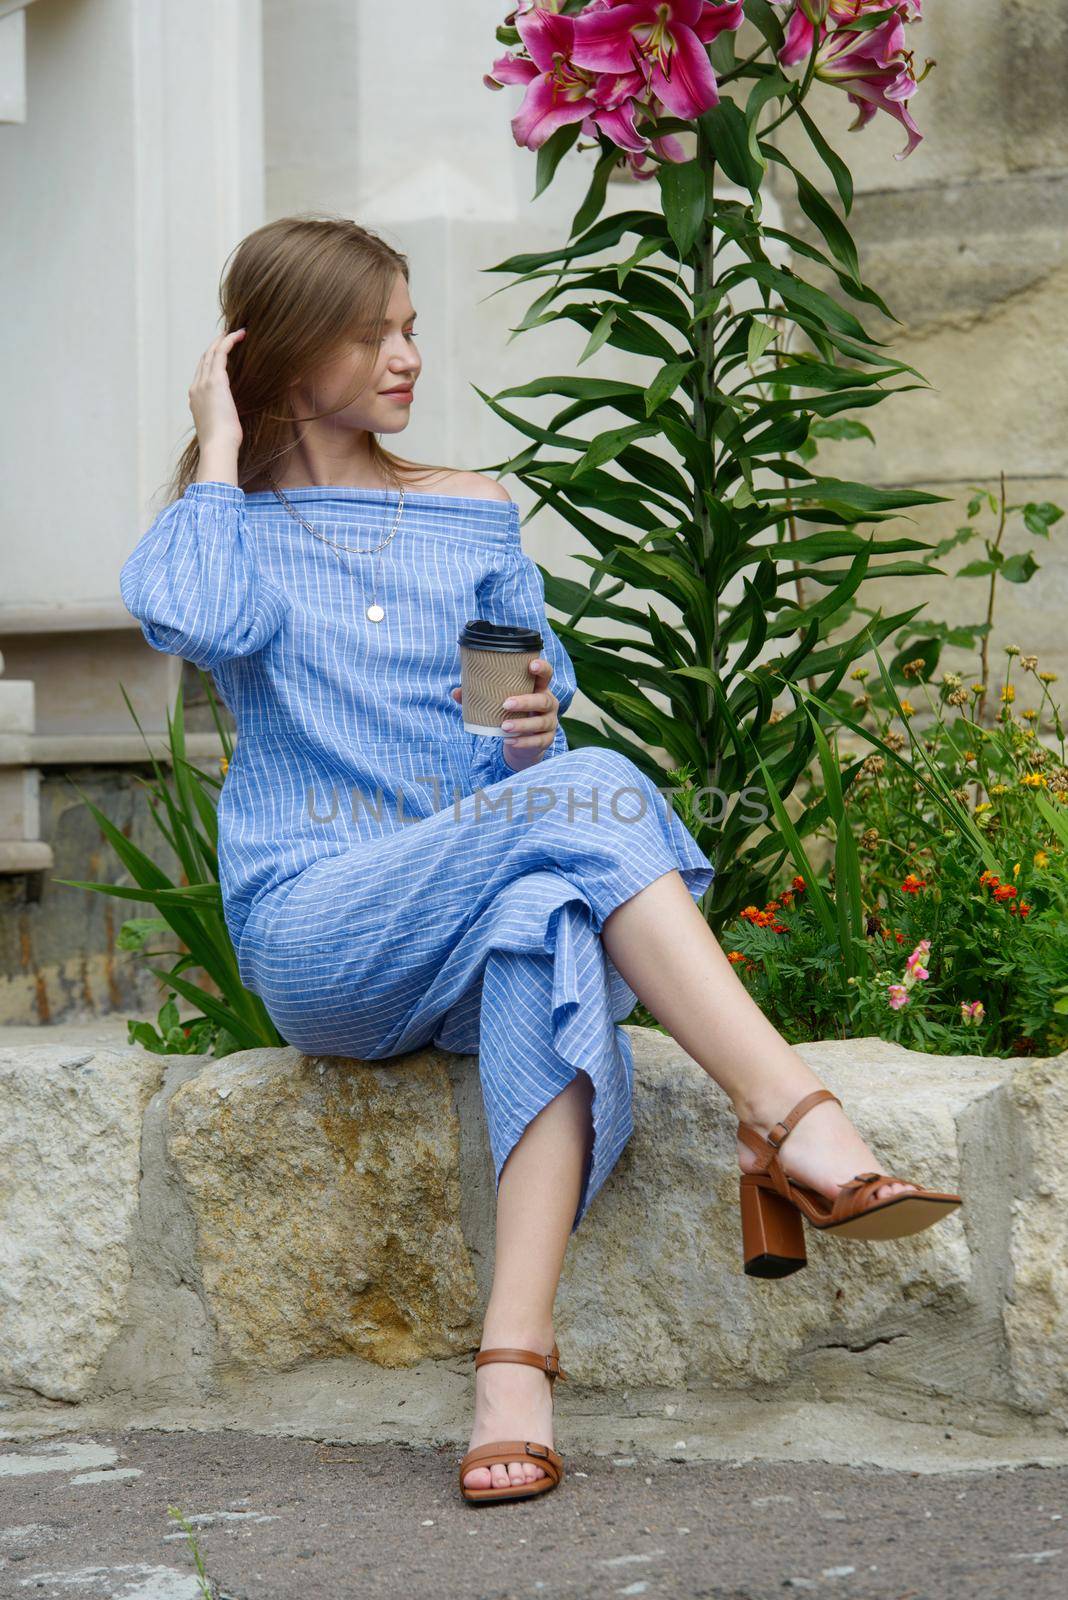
477, 1478
887, 1190
500, 1475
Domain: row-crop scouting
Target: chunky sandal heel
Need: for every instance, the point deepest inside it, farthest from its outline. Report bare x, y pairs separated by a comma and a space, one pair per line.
505, 1450
773, 1238
773, 1205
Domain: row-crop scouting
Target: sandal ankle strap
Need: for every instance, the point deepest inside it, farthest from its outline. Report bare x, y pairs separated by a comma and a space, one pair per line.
531, 1358
767, 1149
792, 1118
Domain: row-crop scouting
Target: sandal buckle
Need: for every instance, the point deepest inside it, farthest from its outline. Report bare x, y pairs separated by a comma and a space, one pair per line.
535, 1450
776, 1142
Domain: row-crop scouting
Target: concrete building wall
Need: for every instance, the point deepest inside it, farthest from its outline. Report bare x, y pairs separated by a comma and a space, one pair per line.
967, 241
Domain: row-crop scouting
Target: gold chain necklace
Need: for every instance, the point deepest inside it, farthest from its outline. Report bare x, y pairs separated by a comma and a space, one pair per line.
374, 611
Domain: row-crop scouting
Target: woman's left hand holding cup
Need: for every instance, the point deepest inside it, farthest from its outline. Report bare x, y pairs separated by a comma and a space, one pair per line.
530, 720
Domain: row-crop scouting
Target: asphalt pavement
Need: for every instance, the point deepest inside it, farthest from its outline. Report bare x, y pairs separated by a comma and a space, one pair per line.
95, 1517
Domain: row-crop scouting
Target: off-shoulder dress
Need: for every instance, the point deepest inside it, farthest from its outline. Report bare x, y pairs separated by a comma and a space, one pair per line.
387, 880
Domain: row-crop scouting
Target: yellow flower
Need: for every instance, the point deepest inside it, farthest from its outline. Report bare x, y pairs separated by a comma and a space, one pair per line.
969, 755
1016, 870
999, 788
1047, 677
1030, 714
223, 766
907, 708
1040, 858
978, 688
1008, 693
1033, 780
860, 673
984, 805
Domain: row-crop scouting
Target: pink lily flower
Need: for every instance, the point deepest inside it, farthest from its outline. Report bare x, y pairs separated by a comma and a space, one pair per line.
897, 996
665, 39
808, 15
874, 68
557, 90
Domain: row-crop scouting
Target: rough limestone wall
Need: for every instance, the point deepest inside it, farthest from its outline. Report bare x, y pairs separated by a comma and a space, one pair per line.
967, 241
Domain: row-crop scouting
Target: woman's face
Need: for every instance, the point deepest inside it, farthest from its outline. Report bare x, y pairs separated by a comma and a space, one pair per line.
396, 369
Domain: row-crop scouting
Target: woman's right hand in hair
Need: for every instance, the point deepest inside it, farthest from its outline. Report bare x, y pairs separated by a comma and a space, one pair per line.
211, 402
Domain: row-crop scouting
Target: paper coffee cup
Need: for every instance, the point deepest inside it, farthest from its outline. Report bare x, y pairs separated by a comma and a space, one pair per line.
495, 662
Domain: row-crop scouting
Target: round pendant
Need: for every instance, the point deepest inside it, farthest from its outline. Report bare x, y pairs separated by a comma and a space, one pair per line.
375, 613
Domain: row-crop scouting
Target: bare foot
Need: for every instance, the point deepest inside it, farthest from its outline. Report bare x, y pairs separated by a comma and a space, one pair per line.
512, 1401
822, 1150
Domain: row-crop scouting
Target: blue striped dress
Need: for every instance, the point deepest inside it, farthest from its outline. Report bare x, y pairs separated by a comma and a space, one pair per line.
387, 880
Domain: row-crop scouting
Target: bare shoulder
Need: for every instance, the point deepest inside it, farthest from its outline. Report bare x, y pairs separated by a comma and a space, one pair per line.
475, 485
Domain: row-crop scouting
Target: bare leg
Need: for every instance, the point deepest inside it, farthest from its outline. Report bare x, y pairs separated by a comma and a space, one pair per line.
662, 946
537, 1199
666, 952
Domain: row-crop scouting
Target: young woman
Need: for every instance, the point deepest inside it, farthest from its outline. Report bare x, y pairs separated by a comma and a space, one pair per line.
387, 880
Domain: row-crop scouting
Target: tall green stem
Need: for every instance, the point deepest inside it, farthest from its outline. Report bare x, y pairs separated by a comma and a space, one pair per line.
703, 390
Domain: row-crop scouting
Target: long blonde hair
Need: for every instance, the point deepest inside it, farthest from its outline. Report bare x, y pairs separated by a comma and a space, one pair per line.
302, 286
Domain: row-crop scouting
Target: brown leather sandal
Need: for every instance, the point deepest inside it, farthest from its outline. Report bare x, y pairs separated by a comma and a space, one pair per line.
773, 1239
505, 1450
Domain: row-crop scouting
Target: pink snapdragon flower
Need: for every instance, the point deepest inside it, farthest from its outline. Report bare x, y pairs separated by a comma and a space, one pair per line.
898, 994
972, 1012
913, 962
874, 66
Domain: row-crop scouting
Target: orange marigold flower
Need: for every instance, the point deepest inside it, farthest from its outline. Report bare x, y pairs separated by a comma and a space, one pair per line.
779, 927
750, 913
1004, 891
988, 877
900, 937
913, 884
798, 884
734, 956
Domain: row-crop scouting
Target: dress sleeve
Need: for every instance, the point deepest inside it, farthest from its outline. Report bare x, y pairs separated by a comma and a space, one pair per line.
514, 592
193, 585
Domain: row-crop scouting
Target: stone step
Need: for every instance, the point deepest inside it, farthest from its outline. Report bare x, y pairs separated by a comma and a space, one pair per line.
177, 1230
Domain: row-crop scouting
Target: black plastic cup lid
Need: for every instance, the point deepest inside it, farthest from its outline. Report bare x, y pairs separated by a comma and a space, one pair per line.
481, 634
